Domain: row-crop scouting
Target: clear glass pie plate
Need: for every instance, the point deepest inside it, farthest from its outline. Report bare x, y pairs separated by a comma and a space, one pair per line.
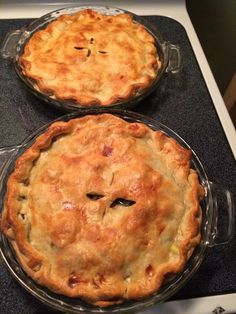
210, 233
15, 41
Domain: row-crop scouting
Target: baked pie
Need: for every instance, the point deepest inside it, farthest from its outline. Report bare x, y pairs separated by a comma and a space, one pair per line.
91, 59
103, 209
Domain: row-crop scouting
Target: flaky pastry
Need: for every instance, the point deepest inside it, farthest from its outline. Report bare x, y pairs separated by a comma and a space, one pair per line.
91, 59
103, 209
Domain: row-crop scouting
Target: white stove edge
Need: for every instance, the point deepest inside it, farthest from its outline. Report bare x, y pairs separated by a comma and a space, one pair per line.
221, 304
175, 9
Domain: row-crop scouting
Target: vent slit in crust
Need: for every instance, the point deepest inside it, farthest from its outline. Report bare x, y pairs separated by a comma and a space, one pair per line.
22, 216
122, 202
88, 53
79, 48
22, 197
94, 196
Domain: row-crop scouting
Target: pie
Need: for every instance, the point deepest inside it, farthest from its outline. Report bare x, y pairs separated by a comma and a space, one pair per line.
103, 209
91, 59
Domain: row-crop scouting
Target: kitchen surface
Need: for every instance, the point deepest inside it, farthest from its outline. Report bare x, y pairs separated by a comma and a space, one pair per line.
188, 101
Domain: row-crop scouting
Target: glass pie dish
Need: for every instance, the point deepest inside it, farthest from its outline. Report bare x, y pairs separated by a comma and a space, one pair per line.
15, 41
210, 234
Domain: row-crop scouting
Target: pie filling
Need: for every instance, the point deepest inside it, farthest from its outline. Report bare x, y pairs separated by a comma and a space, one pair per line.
103, 209
91, 59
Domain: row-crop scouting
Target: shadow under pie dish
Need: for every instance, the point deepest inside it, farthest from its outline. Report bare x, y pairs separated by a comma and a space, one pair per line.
102, 209
87, 56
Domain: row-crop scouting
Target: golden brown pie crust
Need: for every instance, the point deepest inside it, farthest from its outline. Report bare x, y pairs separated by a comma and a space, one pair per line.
91, 58
103, 209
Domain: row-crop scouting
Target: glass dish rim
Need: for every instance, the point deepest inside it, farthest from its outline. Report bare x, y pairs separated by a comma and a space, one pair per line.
67, 105
126, 307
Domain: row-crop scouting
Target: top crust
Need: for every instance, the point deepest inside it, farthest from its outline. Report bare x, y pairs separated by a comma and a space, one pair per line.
103, 209
91, 59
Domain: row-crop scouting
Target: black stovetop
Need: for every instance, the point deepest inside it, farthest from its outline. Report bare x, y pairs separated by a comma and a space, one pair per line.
183, 103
